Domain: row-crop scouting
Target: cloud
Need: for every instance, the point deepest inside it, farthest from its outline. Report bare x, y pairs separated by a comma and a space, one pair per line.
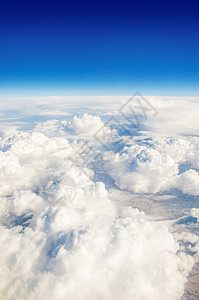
87, 126
90, 248
95, 246
53, 127
176, 115
53, 113
195, 212
188, 182
74, 254
154, 165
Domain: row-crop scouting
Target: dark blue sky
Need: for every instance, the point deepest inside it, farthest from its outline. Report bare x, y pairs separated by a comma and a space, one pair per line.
83, 48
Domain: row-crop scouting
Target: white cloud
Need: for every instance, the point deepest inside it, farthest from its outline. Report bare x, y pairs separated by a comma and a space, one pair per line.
95, 247
176, 115
53, 113
74, 254
152, 166
87, 126
53, 127
188, 182
195, 212
88, 248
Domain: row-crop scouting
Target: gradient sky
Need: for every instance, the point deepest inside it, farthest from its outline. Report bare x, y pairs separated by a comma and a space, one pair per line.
99, 48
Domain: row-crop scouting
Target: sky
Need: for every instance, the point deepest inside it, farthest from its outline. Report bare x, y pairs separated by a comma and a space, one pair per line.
99, 48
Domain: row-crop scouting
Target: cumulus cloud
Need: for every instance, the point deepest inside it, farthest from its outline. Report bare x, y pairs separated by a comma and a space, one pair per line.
93, 246
90, 247
89, 125
52, 127
74, 254
154, 166
188, 182
195, 212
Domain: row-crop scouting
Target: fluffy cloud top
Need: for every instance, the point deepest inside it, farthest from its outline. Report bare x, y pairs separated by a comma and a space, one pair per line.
154, 166
195, 212
90, 248
73, 253
87, 124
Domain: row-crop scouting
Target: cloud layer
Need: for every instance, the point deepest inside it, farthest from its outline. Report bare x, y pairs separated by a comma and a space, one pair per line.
152, 166
91, 247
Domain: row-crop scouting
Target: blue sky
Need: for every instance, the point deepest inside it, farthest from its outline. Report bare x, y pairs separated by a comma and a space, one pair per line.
99, 48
